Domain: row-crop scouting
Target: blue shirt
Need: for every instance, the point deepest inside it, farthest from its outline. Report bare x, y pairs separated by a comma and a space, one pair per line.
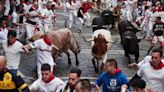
111, 83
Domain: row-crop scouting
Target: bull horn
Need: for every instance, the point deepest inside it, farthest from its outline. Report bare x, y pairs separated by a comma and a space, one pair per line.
141, 38
110, 41
94, 25
55, 47
105, 26
128, 37
88, 40
129, 28
115, 15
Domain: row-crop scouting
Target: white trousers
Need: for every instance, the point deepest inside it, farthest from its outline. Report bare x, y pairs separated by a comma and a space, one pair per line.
79, 23
157, 38
48, 27
149, 32
30, 30
87, 19
129, 15
7, 7
70, 20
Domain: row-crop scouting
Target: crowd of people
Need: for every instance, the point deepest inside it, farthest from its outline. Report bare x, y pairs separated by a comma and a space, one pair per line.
149, 78
24, 18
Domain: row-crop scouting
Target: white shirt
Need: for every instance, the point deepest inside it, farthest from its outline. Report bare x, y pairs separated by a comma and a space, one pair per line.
49, 14
7, 6
3, 33
69, 8
154, 78
2, 37
15, 17
7, 3
62, 88
43, 56
147, 59
161, 14
34, 19
146, 19
114, 3
153, 16
40, 86
129, 5
13, 54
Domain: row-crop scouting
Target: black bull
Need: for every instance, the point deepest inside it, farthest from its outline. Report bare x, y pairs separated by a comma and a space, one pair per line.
106, 18
129, 39
124, 26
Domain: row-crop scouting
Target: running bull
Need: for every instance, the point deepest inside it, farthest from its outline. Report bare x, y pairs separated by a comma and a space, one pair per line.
63, 40
100, 43
103, 21
129, 39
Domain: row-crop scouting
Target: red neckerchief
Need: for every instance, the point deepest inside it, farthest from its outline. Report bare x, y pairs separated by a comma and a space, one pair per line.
33, 8
47, 40
50, 79
115, 72
23, 2
161, 65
